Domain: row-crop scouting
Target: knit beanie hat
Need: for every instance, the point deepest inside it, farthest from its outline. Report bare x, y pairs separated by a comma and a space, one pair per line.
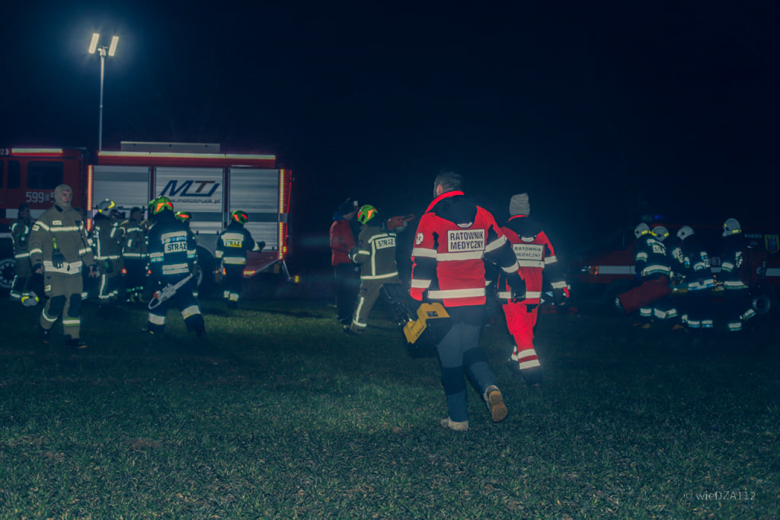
58, 191
519, 205
348, 206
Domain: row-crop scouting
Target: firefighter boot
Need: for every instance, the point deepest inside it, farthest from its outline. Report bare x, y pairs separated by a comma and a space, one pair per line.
74, 343
45, 335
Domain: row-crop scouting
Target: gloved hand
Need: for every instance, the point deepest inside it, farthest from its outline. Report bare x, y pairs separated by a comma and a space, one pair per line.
560, 295
517, 284
260, 245
352, 252
93, 272
57, 258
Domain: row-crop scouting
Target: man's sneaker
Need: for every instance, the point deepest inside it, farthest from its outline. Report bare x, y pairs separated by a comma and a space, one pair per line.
457, 426
75, 344
495, 403
45, 335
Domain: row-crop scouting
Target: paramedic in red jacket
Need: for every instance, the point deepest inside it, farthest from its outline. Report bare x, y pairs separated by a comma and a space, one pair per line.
453, 240
346, 274
535, 254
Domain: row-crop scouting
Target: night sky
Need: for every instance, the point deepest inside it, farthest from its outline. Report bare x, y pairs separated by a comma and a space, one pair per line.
602, 111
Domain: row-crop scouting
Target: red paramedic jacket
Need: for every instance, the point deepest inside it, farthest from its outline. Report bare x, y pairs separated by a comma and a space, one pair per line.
341, 241
534, 253
452, 239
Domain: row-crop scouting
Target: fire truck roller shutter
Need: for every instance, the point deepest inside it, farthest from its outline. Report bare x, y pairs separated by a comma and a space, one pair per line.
257, 192
128, 186
199, 191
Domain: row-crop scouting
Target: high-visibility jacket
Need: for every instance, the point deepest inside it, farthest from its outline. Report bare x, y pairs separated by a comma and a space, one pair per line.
104, 240
651, 258
535, 254
341, 241
376, 253
171, 247
693, 262
233, 244
20, 234
63, 230
453, 239
134, 239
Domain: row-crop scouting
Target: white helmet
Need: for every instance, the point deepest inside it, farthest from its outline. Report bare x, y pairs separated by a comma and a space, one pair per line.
684, 232
641, 229
106, 206
731, 227
660, 232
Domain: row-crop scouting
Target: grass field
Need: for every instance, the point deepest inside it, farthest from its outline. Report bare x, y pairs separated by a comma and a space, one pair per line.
278, 414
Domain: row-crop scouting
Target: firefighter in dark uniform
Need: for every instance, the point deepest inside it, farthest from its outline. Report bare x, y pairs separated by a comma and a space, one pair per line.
108, 251
376, 253
735, 291
693, 262
171, 259
21, 289
232, 246
453, 240
653, 269
134, 255
59, 250
535, 255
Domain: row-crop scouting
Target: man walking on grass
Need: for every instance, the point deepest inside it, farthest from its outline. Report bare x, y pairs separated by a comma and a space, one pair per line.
453, 240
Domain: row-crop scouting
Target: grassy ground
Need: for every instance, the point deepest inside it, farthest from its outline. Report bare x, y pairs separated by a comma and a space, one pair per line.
278, 414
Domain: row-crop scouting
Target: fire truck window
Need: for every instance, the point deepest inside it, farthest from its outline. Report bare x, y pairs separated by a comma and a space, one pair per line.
44, 175
14, 175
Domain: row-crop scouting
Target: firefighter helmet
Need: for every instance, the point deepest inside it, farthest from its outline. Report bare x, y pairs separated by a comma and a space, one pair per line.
731, 227
660, 233
366, 213
240, 216
684, 232
183, 216
106, 206
641, 229
161, 204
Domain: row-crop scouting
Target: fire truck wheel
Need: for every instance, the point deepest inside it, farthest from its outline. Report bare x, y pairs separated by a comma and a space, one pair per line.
203, 272
7, 269
613, 290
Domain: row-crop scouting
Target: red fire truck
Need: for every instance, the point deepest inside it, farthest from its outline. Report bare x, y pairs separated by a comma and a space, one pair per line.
198, 178
606, 269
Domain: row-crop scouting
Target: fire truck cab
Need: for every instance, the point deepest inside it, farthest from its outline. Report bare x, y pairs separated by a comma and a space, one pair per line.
197, 178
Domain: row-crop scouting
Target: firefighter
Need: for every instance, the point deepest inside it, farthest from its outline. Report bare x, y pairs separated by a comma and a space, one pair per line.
653, 269
376, 253
693, 262
108, 251
232, 246
737, 308
345, 273
59, 250
535, 255
134, 255
21, 289
453, 240
172, 259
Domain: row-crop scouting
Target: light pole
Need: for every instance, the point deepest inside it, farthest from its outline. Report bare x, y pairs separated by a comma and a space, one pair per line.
102, 50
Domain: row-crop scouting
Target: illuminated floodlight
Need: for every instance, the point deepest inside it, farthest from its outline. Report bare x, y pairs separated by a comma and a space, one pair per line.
93, 45
112, 48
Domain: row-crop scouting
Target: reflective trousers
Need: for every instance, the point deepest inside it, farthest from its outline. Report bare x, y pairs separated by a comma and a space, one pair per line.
64, 298
521, 320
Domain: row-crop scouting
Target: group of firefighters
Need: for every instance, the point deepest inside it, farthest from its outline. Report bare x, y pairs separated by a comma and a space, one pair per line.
686, 261
456, 246
131, 257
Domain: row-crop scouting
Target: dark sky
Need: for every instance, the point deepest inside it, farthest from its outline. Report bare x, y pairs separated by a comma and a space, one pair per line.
594, 108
